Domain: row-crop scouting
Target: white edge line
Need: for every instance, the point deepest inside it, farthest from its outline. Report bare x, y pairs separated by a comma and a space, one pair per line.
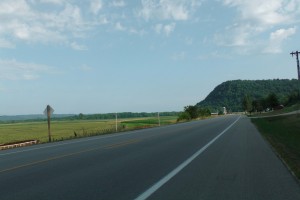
165, 179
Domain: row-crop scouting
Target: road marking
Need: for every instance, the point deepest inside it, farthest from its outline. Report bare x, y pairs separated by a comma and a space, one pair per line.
71, 154
122, 144
165, 179
49, 159
69, 142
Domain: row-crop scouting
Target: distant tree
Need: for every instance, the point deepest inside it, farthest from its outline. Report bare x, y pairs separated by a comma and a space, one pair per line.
183, 116
272, 100
80, 116
192, 111
254, 105
292, 98
257, 106
247, 103
204, 112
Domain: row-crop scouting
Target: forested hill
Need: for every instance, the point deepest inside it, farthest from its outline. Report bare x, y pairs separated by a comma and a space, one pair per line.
230, 94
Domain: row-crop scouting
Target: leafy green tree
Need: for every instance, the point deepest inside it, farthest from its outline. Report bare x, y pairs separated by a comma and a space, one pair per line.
184, 116
80, 116
272, 100
257, 106
204, 112
247, 103
192, 111
292, 98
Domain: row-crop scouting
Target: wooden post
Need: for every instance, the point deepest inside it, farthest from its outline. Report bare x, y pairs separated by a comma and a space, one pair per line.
48, 112
48, 116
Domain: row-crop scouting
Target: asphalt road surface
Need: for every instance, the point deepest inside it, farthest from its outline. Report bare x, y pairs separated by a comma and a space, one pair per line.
221, 158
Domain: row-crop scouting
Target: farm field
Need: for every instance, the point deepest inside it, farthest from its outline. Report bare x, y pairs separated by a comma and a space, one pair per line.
61, 130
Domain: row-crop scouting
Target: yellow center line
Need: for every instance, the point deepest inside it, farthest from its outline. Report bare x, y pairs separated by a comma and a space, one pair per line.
122, 144
70, 154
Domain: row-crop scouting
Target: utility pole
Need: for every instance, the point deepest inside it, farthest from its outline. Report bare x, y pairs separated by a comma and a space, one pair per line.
297, 57
298, 69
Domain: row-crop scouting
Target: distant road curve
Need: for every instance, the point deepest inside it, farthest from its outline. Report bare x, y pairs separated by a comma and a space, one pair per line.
220, 158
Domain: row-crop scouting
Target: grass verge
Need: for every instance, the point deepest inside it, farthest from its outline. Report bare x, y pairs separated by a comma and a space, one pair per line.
283, 133
62, 130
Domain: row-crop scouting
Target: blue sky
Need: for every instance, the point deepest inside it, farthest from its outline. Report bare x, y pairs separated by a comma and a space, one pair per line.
99, 56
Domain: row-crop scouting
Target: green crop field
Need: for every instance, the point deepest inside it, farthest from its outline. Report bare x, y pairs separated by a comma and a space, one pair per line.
61, 130
148, 122
283, 133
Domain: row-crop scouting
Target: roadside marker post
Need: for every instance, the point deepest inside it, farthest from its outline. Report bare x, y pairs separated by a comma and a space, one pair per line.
48, 112
158, 119
116, 122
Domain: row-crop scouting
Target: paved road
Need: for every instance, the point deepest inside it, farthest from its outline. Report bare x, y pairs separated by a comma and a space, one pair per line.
222, 158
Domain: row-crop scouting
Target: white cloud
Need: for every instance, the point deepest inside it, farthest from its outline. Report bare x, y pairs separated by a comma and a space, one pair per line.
276, 39
14, 70
27, 21
158, 28
168, 9
96, 6
165, 29
57, 2
269, 12
85, 68
237, 35
13, 9
78, 47
6, 44
179, 56
255, 18
119, 3
282, 34
169, 28
119, 27
103, 20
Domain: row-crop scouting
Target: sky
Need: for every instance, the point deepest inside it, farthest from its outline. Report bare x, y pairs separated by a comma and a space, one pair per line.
102, 56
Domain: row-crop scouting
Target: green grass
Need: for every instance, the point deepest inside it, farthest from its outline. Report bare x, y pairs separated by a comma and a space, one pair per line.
149, 122
61, 130
283, 133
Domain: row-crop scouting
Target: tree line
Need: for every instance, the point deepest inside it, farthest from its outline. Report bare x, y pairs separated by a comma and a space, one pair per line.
230, 94
81, 116
193, 112
270, 102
